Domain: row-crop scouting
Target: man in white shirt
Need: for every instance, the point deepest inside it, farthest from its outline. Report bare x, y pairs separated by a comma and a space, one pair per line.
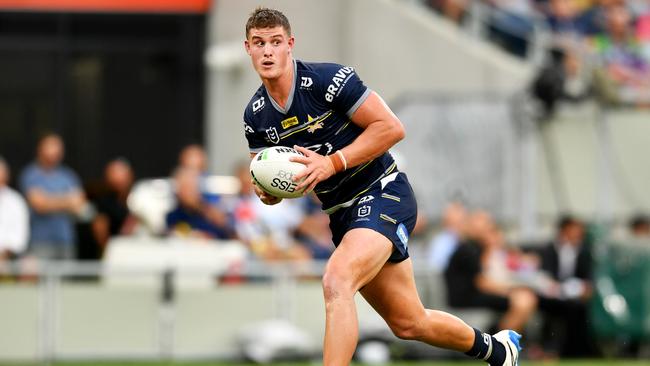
567, 259
14, 218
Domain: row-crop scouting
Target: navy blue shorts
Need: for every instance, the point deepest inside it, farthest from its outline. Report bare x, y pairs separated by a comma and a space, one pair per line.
388, 208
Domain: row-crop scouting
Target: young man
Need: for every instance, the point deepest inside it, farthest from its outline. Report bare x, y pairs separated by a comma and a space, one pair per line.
344, 131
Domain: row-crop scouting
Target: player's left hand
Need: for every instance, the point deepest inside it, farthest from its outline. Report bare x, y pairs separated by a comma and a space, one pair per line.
318, 168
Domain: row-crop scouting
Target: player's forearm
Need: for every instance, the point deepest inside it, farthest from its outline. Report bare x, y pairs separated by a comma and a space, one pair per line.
375, 140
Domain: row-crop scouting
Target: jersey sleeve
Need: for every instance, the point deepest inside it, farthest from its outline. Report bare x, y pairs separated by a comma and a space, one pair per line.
343, 89
256, 143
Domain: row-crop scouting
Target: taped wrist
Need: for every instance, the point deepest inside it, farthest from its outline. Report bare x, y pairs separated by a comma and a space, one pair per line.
338, 161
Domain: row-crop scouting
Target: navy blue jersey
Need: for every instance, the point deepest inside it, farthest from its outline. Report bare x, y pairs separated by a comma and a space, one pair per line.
317, 114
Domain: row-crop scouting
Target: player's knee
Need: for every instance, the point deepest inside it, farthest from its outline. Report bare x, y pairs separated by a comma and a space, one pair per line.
336, 285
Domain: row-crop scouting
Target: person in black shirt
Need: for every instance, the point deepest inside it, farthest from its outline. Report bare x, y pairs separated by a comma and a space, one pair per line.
468, 286
113, 216
568, 260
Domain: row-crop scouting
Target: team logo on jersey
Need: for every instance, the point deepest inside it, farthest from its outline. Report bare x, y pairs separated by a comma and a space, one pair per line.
272, 133
365, 199
306, 82
258, 104
338, 82
315, 126
364, 211
290, 122
248, 129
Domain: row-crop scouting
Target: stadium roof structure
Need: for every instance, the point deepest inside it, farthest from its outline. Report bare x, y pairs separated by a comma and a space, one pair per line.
110, 6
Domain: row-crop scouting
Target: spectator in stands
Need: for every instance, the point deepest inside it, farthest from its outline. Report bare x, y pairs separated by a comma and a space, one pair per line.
14, 219
113, 216
594, 20
640, 226
313, 232
568, 261
269, 230
509, 265
55, 198
454, 10
193, 216
561, 79
643, 31
194, 157
469, 284
512, 24
622, 72
564, 20
445, 242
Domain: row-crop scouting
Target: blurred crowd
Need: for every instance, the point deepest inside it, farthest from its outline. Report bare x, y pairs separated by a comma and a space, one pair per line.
597, 47
52, 216
554, 279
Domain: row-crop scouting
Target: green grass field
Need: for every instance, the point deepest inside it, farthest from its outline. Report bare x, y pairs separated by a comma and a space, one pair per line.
432, 363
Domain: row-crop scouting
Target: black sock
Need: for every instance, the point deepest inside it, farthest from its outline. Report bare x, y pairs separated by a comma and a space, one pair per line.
487, 348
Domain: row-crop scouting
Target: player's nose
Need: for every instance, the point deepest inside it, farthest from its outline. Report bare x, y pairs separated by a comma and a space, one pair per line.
268, 49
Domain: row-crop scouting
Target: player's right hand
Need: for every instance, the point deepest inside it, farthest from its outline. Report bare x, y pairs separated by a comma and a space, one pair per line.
266, 198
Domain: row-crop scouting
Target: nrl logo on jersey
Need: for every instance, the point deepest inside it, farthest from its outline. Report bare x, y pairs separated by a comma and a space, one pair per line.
364, 211
306, 82
258, 105
272, 134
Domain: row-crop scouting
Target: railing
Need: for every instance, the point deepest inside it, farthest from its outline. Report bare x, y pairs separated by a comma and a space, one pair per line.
78, 310
73, 310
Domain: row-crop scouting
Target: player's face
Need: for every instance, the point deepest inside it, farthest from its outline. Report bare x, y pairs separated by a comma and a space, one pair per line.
270, 51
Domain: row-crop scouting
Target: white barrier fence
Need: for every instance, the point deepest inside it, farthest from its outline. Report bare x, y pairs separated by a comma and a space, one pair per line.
73, 310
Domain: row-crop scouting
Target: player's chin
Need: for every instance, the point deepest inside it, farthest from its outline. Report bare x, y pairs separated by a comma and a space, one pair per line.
267, 73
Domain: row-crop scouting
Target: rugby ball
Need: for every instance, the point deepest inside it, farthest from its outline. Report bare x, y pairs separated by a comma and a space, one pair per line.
273, 172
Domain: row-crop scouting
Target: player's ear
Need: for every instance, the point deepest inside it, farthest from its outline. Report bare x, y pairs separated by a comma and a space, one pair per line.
291, 42
247, 46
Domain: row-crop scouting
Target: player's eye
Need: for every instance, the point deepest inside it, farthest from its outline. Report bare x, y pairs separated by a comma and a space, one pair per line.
259, 43
276, 42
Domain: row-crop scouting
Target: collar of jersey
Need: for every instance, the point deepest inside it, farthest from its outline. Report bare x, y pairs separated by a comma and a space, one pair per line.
291, 93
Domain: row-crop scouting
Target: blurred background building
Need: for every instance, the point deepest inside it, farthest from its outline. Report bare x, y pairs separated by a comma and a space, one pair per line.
125, 200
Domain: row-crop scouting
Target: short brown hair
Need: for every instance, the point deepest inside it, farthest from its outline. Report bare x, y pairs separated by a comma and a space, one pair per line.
263, 17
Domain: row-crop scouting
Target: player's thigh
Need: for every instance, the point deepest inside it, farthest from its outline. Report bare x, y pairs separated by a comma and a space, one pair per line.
358, 258
392, 293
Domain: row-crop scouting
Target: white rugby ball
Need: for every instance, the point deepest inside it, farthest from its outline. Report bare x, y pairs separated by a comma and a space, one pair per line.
273, 172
